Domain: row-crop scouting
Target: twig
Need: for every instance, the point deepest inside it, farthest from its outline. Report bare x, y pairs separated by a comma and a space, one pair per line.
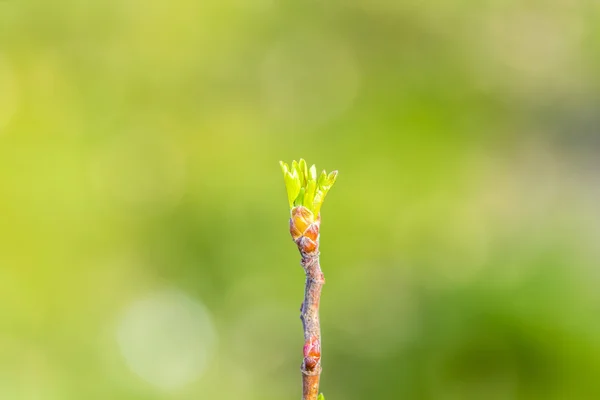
306, 194
311, 364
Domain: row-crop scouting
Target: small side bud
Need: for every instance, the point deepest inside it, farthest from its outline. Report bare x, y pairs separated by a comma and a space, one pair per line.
312, 353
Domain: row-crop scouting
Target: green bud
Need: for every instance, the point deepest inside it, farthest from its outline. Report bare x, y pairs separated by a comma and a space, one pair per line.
305, 187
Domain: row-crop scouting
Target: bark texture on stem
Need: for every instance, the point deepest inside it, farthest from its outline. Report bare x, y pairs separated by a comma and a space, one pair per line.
311, 364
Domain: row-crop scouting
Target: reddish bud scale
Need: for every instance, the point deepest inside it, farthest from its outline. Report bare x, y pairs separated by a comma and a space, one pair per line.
304, 228
312, 353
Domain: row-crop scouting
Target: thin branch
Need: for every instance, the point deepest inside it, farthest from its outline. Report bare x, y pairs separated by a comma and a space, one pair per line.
306, 192
311, 364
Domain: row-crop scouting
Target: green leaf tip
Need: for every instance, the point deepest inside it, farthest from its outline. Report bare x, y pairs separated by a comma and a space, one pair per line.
305, 187
321, 397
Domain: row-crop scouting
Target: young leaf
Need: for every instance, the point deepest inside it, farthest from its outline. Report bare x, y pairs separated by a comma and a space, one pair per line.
303, 172
332, 177
309, 196
322, 178
305, 187
313, 173
300, 199
284, 167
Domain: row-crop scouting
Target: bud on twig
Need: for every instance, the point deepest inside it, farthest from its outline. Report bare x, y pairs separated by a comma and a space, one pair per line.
306, 194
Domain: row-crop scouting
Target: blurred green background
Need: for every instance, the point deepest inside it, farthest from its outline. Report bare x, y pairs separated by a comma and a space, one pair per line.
144, 245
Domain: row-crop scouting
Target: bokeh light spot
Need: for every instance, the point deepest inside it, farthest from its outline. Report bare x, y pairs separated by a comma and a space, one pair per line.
167, 338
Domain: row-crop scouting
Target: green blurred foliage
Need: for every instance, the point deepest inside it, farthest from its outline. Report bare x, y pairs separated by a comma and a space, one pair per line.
144, 248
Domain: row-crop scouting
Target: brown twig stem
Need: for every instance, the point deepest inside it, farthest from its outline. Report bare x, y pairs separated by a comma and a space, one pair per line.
311, 364
306, 192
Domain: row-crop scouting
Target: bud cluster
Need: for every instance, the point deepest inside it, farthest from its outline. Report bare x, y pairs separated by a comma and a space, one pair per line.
306, 193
